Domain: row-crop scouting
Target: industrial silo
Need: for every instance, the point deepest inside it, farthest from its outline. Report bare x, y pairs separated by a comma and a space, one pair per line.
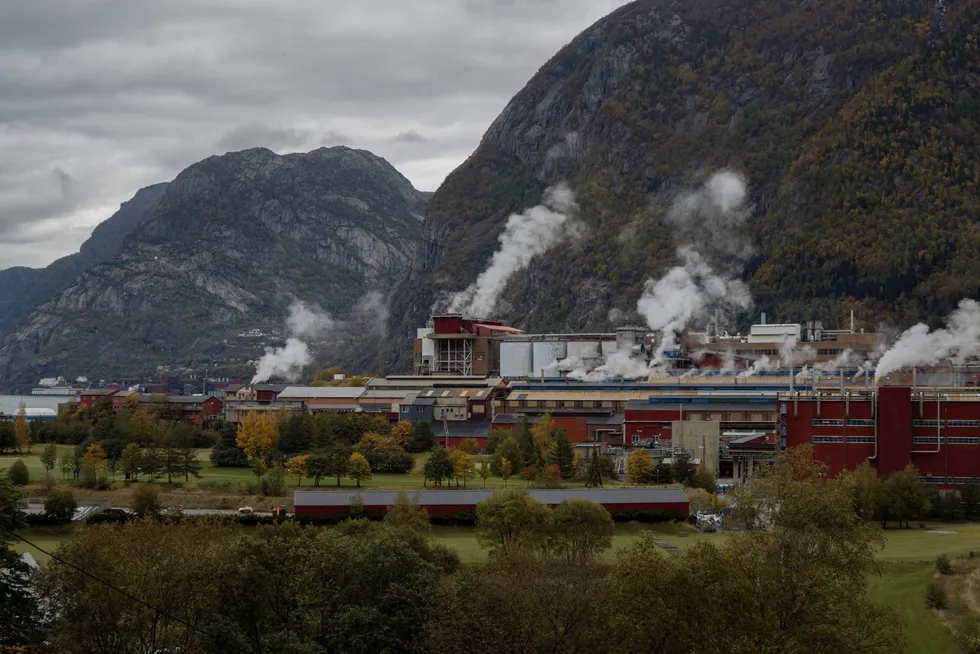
516, 359
546, 355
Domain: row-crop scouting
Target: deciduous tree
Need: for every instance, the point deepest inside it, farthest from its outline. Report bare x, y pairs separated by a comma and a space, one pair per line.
297, 467
464, 467
22, 430
406, 513
318, 467
639, 468
423, 440
60, 506
257, 434
582, 531
485, 472
94, 464
49, 458
358, 468
402, 432
470, 446
512, 520
438, 467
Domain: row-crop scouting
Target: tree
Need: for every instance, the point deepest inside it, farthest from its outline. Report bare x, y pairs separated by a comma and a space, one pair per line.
423, 440
22, 430
464, 467
906, 494
506, 467
593, 474
639, 468
866, 490
510, 521
682, 468
970, 496
525, 440
226, 453
317, 467
438, 467
530, 474
146, 501
543, 433
403, 433
296, 466
485, 472
132, 460
406, 513
563, 454
68, 463
8, 437
702, 478
18, 473
582, 530
21, 628
470, 446
257, 434
511, 451
60, 506
274, 482
372, 443
94, 463
49, 458
188, 463
358, 468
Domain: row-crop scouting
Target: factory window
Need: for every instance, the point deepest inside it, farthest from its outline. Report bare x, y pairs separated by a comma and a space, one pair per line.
828, 439
925, 440
861, 439
606, 405
588, 404
757, 417
963, 481
962, 440
933, 480
963, 423
478, 408
532, 404
577, 404
550, 404
860, 422
928, 423
824, 422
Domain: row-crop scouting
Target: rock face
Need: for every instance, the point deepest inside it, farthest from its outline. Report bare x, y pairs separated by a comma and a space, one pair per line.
226, 249
22, 290
854, 123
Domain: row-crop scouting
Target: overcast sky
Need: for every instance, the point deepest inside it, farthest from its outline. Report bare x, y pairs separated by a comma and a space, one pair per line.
99, 98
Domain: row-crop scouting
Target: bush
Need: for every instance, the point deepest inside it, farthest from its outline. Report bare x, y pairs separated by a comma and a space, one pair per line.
18, 473
936, 596
943, 565
393, 463
229, 457
274, 482
60, 506
146, 501
108, 518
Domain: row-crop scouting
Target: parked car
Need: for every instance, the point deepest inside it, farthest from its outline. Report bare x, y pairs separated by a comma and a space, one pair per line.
245, 510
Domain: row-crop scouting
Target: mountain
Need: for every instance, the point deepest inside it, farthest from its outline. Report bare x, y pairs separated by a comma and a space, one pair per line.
226, 250
24, 289
855, 125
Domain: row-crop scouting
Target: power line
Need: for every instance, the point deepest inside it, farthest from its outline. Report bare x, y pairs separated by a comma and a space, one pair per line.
128, 596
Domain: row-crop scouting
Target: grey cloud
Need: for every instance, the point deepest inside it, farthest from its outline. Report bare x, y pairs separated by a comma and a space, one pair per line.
411, 136
117, 94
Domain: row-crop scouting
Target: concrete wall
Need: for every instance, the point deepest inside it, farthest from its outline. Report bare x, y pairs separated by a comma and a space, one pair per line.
700, 439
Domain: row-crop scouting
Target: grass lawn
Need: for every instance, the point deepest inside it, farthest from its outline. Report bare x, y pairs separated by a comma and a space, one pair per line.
903, 586
910, 545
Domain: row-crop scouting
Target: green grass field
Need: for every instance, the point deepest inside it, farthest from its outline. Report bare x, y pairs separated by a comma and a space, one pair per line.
47, 538
903, 586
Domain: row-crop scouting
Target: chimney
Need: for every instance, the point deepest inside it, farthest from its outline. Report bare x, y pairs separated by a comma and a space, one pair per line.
762, 318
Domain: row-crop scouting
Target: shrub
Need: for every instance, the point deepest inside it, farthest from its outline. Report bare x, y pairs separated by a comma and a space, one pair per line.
394, 463
110, 518
229, 457
146, 501
274, 482
60, 506
943, 565
18, 473
936, 596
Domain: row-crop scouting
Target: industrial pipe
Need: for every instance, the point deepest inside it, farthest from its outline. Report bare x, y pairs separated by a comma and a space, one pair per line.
939, 436
874, 414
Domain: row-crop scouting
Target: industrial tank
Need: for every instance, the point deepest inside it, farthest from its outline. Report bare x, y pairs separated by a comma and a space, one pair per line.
546, 354
516, 360
587, 353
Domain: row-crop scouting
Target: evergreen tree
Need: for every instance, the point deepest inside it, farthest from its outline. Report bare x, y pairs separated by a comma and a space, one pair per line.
526, 441
593, 475
423, 439
439, 467
563, 454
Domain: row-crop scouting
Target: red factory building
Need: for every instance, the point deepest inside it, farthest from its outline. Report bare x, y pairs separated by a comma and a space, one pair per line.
935, 429
615, 500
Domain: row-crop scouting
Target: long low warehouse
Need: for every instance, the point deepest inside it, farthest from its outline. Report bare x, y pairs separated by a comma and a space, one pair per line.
615, 500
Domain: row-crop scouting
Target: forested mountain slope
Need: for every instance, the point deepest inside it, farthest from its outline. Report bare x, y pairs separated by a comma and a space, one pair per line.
854, 122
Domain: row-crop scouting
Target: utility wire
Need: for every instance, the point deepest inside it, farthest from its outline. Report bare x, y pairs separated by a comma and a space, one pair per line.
128, 596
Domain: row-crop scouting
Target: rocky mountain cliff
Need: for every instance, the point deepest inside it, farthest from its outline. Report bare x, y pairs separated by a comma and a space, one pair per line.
855, 125
209, 274
22, 290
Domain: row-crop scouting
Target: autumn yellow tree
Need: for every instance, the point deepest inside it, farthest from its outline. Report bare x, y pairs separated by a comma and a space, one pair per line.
638, 467
543, 434
257, 434
145, 428
297, 467
402, 432
373, 443
94, 462
358, 468
22, 429
464, 467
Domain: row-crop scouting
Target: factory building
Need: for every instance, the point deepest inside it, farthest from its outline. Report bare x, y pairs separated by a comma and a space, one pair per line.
935, 429
452, 344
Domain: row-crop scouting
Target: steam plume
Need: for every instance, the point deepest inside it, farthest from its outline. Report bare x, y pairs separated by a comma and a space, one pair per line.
711, 258
286, 362
618, 365
958, 341
526, 235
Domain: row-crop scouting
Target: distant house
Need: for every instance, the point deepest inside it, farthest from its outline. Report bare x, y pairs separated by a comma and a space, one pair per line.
191, 408
119, 399
323, 398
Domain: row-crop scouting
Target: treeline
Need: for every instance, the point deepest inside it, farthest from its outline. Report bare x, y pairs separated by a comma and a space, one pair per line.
795, 581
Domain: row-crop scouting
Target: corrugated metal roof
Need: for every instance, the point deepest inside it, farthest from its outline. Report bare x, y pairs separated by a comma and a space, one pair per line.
577, 395
321, 392
703, 407
391, 394
471, 497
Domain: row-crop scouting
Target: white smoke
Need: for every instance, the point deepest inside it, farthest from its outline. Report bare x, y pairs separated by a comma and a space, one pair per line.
846, 359
286, 362
959, 341
763, 364
618, 365
526, 235
711, 258
309, 324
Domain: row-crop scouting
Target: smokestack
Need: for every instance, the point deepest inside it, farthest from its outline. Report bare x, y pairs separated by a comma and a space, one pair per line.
762, 318
852, 321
